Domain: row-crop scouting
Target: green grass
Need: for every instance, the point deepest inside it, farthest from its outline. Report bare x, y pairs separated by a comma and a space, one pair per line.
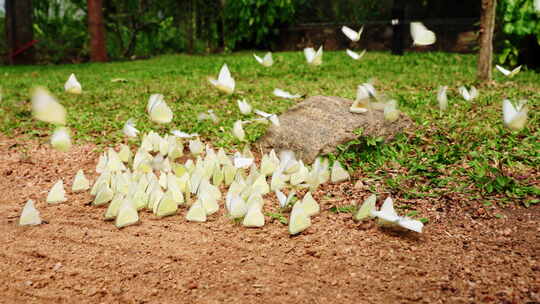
464, 152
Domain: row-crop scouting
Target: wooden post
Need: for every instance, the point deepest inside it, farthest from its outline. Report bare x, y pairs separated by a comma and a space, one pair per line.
96, 28
19, 31
487, 27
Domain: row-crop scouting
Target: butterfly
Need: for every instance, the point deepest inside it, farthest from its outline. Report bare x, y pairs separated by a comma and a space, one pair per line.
254, 217
388, 217
196, 212
129, 128
241, 161
80, 182
299, 220
104, 195
196, 147
266, 61
283, 199
57, 194
244, 106
167, 205
338, 174
355, 55
225, 82
158, 109
182, 134
46, 108
29, 215
238, 130
367, 206
421, 35
310, 205
468, 95
113, 208
285, 94
72, 85
514, 117
124, 154
237, 206
391, 113
312, 57
352, 34
442, 99
210, 115
364, 93
273, 118
60, 140
127, 215
508, 73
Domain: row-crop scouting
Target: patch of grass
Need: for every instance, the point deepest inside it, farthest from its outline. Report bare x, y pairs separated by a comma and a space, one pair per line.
464, 151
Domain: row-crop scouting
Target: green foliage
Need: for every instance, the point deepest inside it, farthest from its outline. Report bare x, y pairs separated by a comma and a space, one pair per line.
519, 20
60, 27
257, 22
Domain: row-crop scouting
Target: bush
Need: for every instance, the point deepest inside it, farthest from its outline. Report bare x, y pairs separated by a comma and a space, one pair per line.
520, 21
257, 22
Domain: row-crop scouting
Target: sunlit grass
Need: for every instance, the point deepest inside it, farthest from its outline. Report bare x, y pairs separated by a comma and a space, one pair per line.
464, 151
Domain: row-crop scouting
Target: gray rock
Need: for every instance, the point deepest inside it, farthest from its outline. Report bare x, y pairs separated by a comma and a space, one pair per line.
317, 125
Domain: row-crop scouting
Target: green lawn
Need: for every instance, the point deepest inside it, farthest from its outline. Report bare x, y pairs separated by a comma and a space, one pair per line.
465, 151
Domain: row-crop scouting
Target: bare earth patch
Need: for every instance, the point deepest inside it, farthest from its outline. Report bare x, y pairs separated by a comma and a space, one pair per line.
78, 258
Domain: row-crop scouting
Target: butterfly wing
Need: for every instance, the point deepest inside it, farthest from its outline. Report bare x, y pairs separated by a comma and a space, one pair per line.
46, 108
502, 70
421, 35
310, 54
352, 54
351, 34
259, 59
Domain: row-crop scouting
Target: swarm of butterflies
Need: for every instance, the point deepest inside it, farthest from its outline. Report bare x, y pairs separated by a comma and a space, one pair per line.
154, 178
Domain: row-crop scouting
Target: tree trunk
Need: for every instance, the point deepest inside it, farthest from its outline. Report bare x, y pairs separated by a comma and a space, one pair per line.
19, 31
487, 27
96, 28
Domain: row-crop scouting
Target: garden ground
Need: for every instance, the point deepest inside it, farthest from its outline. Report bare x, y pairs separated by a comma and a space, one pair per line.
476, 183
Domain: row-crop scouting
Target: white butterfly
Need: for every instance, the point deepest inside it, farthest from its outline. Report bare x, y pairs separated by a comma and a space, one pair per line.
29, 215
285, 94
537, 5
182, 134
442, 99
266, 61
338, 174
241, 161
283, 199
210, 115
388, 217
352, 34
129, 128
299, 220
225, 82
254, 217
391, 113
273, 118
421, 35
127, 215
312, 57
355, 55
367, 206
238, 130
80, 182
158, 109
364, 93
72, 85
60, 140
196, 212
244, 106
57, 194
468, 95
508, 73
514, 117
46, 108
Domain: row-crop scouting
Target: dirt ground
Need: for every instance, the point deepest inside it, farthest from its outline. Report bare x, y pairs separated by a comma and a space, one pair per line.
461, 257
